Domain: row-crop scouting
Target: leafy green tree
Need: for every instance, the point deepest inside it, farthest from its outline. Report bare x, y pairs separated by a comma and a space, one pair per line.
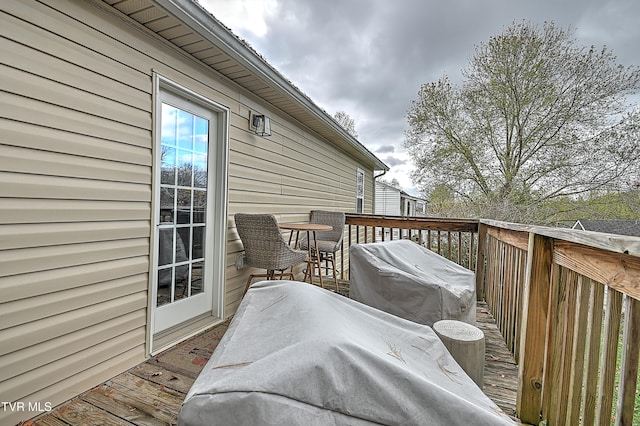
442, 202
616, 205
537, 117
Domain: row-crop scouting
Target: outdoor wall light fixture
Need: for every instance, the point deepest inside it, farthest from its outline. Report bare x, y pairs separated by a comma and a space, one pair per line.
260, 124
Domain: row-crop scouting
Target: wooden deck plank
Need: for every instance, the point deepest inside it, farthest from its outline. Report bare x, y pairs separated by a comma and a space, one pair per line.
138, 399
163, 377
151, 393
500, 369
122, 405
47, 420
79, 412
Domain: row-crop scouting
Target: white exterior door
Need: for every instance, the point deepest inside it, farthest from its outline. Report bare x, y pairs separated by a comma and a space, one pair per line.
187, 257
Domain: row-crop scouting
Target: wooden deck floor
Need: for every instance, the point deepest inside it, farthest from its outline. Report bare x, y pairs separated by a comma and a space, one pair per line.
151, 393
500, 369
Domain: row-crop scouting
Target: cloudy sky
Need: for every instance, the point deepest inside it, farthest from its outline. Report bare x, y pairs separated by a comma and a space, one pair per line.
369, 57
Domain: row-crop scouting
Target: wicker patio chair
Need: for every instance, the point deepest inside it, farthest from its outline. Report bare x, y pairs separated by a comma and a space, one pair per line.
265, 248
329, 242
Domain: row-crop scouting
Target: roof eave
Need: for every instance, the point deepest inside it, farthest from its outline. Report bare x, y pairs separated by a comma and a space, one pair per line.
198, 19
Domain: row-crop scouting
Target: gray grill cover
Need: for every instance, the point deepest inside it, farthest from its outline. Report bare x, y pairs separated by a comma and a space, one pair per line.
412, 282
295, 354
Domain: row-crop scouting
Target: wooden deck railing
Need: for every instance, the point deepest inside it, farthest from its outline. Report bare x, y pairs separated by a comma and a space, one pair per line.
565, 301
455, 239
561, 298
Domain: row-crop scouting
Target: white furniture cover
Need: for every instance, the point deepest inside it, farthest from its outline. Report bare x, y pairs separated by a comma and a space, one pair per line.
412, 282
296, 354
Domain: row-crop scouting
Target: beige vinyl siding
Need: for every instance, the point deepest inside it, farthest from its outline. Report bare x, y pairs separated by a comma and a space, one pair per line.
75, 193
287, 174
76, 177
301, 171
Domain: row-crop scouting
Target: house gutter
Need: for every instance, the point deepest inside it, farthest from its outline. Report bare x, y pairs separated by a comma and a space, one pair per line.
205, 24
384, 172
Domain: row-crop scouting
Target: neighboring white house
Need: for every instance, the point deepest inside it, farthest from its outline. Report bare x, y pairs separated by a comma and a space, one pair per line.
388, 199
393, 201
411, 205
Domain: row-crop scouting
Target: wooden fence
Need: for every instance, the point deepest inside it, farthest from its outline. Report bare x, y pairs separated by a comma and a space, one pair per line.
561, 299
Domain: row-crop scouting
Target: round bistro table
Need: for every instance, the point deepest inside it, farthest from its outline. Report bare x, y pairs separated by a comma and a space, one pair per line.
313, 259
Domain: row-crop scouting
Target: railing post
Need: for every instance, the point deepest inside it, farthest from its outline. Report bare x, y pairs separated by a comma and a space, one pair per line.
480, 260
629, 376
534, 324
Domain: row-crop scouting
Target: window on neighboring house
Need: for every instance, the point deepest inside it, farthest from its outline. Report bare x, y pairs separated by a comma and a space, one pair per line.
359, 191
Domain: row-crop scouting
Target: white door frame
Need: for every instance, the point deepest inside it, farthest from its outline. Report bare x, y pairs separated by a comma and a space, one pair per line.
216, 225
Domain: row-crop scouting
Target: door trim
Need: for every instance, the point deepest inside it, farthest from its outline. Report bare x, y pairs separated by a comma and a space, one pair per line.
216, 230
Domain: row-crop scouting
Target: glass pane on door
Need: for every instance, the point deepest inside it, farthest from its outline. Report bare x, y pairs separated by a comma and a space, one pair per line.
183, 202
